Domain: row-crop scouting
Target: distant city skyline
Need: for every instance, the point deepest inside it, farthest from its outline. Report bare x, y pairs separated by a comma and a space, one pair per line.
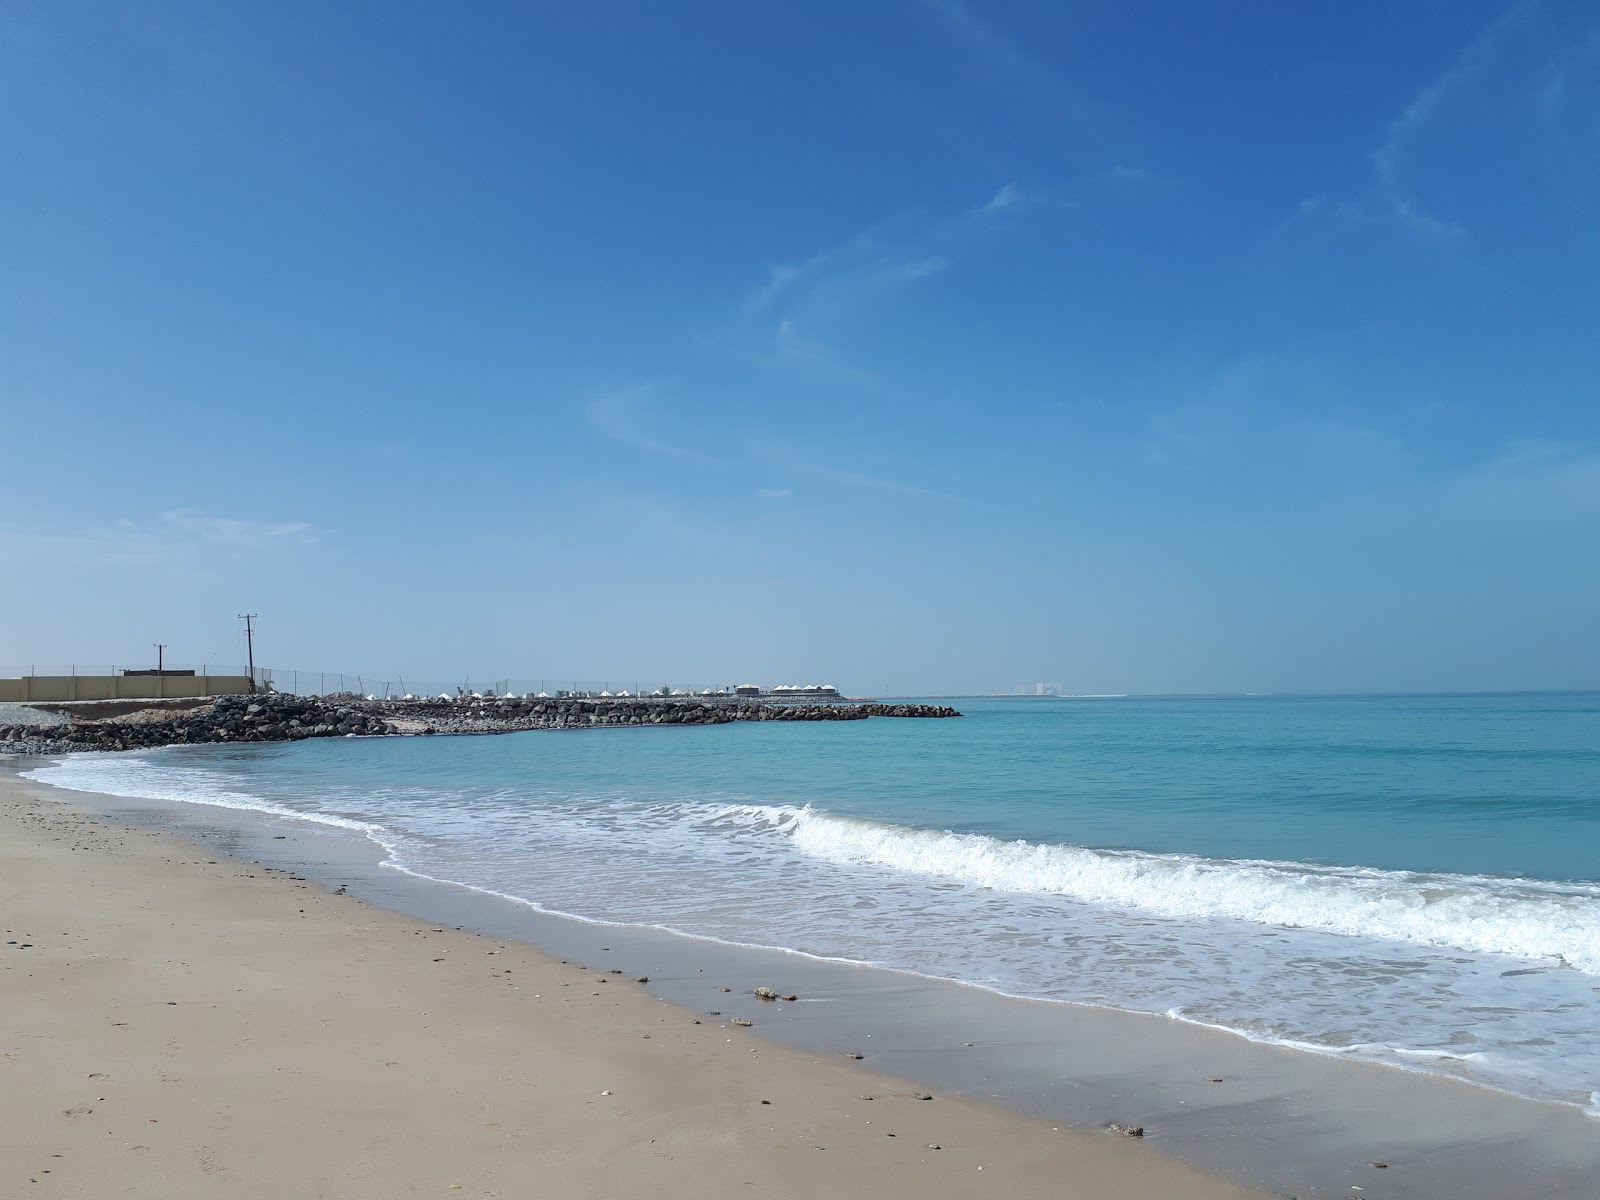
919, 347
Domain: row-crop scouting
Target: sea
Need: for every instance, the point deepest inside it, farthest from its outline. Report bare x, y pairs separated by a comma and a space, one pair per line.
1409, 880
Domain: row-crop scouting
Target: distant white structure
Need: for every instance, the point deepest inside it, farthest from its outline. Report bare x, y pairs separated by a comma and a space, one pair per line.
1038, 689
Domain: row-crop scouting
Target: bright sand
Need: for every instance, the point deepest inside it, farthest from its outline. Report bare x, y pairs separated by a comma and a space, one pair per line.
173, 1026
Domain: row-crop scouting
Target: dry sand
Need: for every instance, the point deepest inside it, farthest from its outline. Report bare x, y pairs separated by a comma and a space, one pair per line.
173, 1026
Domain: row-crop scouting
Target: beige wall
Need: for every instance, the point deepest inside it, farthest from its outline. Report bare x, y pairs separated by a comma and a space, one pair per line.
120, 687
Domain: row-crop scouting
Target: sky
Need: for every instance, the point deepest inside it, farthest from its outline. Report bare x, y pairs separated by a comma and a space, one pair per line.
913, 346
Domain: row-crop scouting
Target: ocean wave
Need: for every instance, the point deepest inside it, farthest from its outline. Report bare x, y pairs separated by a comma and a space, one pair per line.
1528, 919
1251, 947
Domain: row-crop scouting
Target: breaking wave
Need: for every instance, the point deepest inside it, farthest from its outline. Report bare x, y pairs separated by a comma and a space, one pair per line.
1529, 919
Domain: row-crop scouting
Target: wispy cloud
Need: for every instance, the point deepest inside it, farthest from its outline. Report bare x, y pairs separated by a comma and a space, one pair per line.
1271, 414
1009, 196
793, 458
180, 537
186, 521
658, 521
1418, 119
1531, 480
1012, 66
628, 416
904, 249
1387, 194
781, 278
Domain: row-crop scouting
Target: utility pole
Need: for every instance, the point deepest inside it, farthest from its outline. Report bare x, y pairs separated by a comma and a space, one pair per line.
250, 644
161, 650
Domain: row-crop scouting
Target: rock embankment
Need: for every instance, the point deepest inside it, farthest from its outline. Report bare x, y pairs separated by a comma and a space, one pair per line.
265, 718
507, 715
282, 718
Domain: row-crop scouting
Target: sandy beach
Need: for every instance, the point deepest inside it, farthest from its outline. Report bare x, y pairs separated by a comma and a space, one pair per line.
178, 1024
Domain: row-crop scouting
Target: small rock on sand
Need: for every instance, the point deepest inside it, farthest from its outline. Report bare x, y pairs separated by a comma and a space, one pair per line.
1125, 1129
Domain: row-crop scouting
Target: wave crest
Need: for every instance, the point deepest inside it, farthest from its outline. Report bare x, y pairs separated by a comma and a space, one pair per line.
1529, 919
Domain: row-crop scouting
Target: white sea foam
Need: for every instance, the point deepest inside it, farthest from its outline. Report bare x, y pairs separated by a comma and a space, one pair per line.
1403, 968
1528, 919
143, 779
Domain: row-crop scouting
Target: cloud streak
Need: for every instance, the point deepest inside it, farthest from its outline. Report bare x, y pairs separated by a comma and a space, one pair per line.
1013, 67
1414, 122
625, 416
1534, 480
790, 457
179, 537
897, 252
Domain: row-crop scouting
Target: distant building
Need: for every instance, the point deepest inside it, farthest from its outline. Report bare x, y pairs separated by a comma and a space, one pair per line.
747, 689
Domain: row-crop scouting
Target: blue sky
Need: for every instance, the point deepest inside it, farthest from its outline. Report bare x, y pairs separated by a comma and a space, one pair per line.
913, 345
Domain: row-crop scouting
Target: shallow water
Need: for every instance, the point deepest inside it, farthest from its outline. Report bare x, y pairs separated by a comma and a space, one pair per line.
1412, 880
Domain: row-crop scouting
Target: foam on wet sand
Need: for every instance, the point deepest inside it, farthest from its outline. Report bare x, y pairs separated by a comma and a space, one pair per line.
183, 1025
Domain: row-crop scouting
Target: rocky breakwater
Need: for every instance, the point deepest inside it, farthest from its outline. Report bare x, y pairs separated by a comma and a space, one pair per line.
265, 718
509, 715
281, 718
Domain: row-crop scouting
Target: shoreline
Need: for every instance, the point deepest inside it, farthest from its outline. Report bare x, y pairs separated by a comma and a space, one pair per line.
185, 1021
1280, 1119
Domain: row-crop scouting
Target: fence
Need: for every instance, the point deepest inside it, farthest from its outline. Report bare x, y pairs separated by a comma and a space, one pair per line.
326, 683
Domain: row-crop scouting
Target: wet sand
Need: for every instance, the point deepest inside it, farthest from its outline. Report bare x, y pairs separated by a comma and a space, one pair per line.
180, 1024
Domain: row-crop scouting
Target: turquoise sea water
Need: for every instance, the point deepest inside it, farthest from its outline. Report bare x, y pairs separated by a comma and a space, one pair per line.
1413, 880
